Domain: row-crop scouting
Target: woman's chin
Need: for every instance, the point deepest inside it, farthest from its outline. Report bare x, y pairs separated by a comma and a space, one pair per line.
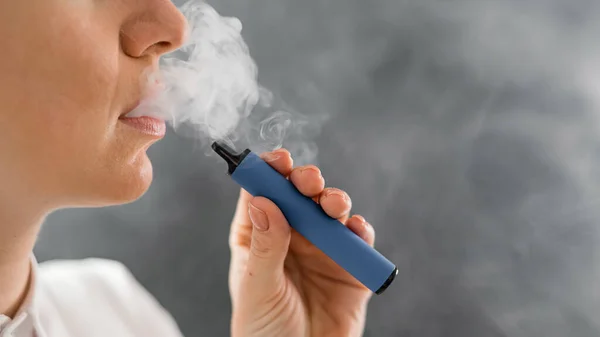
134, 185
125, 185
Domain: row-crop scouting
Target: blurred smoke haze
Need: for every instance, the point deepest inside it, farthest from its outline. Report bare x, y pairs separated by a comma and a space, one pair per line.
467, 132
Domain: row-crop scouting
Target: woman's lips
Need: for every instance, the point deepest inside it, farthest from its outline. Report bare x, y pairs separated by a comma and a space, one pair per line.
146, 125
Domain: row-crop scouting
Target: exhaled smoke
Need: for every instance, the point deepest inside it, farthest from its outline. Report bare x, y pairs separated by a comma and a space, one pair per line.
209, 89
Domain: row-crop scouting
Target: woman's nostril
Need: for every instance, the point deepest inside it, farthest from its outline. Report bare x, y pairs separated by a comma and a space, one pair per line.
164, 45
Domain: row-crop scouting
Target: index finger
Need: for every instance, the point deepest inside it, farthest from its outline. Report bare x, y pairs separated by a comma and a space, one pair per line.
280, 159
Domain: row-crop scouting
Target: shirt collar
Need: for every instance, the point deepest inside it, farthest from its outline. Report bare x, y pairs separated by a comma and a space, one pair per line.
24, 323
27, 304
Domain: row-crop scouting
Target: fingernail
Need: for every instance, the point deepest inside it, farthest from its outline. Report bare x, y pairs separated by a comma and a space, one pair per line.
258, 217
342, 194
361, 218
337, 192
268, 157
308, 170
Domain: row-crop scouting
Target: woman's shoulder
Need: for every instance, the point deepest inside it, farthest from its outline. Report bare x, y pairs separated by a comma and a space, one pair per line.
94, 275
100, 290
106, 274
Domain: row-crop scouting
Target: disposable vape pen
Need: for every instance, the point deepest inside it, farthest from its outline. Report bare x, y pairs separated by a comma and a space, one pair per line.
307, 217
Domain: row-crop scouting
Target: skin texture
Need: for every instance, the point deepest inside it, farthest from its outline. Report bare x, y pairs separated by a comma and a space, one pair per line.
70, 69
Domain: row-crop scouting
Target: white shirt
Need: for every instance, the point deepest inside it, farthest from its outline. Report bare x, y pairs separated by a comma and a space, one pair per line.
87, 298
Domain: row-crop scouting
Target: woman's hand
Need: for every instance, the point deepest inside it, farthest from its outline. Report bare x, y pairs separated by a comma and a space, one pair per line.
281, 284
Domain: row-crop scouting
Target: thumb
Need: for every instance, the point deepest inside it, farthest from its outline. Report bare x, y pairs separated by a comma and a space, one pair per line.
269, 244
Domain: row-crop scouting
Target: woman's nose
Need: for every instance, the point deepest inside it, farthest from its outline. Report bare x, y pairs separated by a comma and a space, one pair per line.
158, 29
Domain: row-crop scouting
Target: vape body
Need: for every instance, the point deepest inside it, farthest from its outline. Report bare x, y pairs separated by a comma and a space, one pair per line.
307, 217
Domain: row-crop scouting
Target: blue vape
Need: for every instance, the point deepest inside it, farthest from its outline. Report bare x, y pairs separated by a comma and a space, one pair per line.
307, 217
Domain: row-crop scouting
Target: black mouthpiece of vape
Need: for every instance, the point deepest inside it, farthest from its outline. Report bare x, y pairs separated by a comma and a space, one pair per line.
233, 159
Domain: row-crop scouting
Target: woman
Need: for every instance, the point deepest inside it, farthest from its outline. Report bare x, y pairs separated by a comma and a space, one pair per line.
69, 73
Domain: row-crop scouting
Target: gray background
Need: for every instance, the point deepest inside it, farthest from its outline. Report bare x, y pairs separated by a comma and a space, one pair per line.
466, 131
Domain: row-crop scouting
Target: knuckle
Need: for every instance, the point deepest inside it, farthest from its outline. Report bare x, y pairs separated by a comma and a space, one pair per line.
236, 241
260, 249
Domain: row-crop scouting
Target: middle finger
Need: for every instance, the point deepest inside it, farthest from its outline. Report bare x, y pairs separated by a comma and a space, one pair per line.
308, 180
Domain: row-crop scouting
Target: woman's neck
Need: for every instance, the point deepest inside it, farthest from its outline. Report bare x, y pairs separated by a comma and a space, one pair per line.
18, 233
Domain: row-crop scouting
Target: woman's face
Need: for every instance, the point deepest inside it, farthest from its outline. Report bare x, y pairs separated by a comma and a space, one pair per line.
69, 69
